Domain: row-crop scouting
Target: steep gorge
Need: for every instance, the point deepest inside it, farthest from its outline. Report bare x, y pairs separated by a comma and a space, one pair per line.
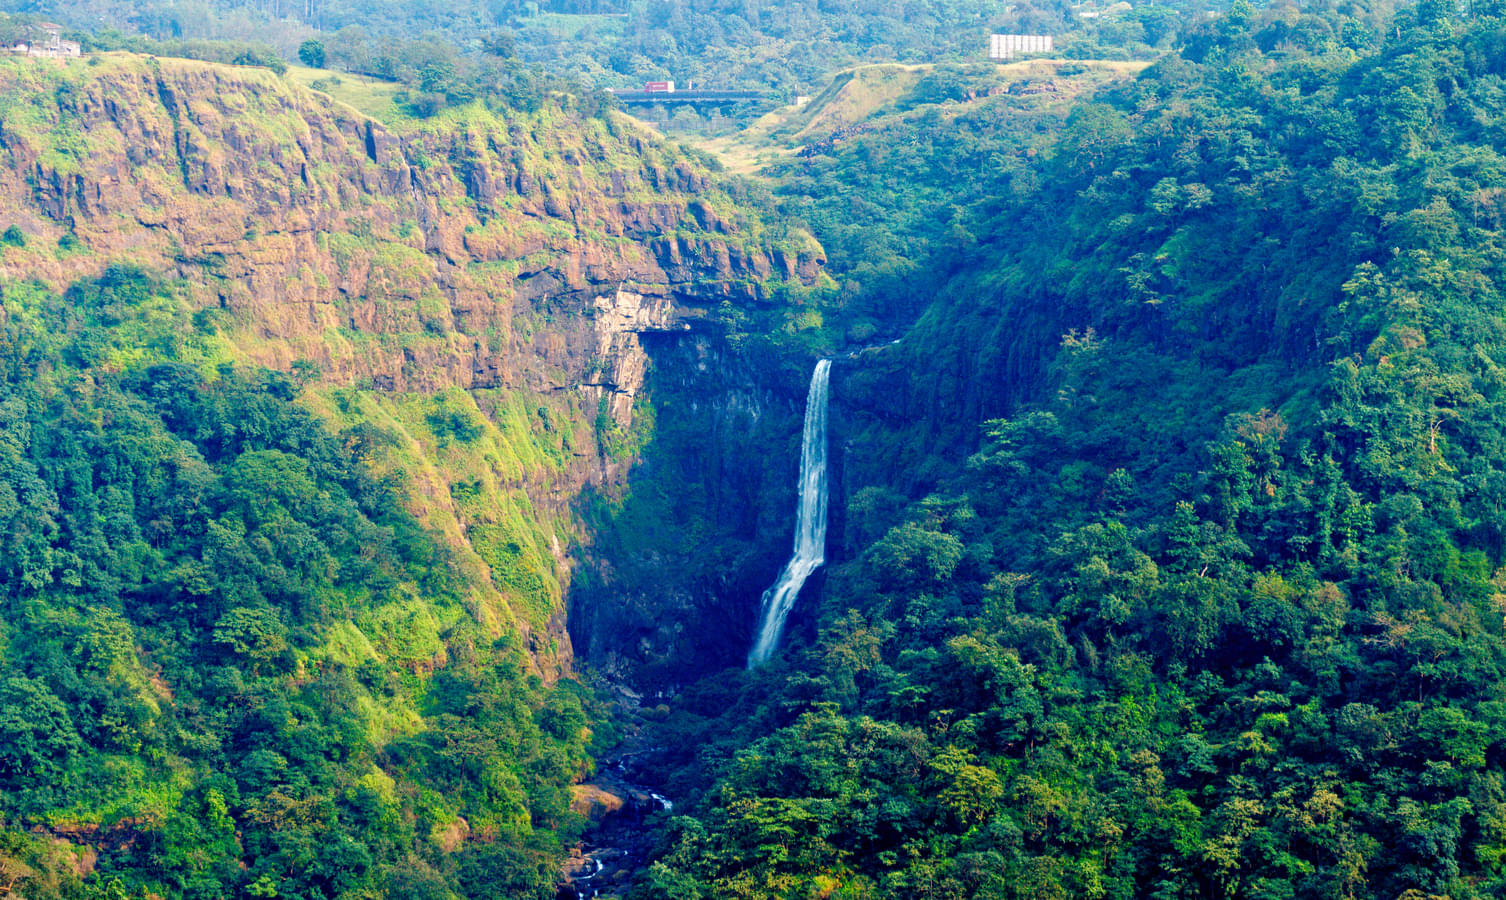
394, 396
521, 259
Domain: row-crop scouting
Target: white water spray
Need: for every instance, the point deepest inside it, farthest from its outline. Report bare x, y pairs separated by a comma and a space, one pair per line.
810, 521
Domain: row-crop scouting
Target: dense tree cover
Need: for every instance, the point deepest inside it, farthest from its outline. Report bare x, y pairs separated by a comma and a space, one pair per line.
786, 46
902, 199
1203, 595
885, 199
230, 661
432, 72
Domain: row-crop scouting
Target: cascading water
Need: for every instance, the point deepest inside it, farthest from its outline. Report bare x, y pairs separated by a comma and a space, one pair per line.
810, 521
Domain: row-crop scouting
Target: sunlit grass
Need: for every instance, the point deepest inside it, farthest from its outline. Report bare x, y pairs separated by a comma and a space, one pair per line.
867, 93
368, 96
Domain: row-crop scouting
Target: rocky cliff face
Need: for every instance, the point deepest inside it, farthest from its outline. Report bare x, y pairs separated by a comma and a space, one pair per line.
520, 259
304, 218
672, 589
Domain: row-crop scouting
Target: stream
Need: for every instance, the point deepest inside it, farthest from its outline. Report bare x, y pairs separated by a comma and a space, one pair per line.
619, 842
615, 847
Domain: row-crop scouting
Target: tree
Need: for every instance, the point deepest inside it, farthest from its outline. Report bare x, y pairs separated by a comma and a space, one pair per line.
257, 634
311, 53
501, 44
37, 737
911, 556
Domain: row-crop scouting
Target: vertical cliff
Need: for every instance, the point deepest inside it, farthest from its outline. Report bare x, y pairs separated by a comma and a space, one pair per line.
484, 267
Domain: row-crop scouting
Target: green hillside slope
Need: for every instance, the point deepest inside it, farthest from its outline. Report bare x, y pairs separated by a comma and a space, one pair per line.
1172, 554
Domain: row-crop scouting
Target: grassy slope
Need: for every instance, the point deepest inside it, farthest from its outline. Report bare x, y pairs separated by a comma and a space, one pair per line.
369, 96
870, 93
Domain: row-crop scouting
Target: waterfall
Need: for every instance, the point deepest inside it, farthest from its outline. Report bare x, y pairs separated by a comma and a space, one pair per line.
810, 521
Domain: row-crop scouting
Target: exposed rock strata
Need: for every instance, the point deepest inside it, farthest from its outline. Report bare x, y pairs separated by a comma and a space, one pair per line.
321, 229
505, 254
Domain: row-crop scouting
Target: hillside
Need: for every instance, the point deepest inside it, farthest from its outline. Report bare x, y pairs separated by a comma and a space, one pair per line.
783, 46
370, 480
302, 408
1169, 558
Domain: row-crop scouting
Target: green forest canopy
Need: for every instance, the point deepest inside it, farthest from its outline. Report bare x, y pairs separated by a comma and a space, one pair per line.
230, 658
1211, 603
1172, 562
789, 46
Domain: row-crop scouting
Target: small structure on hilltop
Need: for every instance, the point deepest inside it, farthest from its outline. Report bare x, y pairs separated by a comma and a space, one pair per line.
1008, 46
1118, 9
49, 44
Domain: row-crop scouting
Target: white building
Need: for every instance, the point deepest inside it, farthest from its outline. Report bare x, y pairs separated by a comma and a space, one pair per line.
51, 43
1008, 46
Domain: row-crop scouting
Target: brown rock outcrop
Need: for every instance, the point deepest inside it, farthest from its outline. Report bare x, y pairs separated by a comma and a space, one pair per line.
306, 219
